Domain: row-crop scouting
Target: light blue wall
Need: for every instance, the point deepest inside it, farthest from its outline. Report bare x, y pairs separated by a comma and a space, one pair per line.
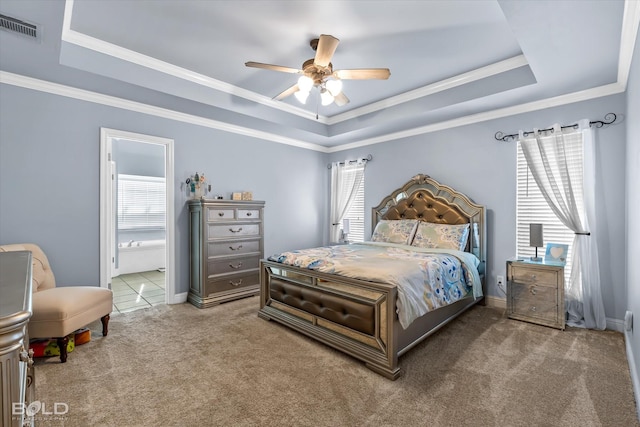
633, 211
49, 179
470, 160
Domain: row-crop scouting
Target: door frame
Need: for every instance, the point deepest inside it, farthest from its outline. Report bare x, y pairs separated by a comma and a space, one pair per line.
107, 215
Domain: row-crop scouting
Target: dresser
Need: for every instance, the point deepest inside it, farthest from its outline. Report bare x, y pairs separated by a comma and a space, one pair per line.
535, 292
226, 241
16, 365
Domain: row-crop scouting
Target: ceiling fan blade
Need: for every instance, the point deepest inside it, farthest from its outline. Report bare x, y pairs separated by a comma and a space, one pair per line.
272, 67
341, 99
287, 92
363, 74
326, 47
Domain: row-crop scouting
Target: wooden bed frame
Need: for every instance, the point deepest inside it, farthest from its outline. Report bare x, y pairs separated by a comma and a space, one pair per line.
359, 317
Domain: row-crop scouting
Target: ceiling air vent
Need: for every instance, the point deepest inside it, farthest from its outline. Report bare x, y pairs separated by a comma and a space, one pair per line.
17, 26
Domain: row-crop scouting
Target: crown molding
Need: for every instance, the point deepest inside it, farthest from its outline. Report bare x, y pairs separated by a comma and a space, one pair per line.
125, 104
450, 83
110, 49
630, 23
106, 48
585, 95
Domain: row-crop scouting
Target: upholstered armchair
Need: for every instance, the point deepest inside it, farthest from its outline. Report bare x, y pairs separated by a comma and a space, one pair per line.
59, 311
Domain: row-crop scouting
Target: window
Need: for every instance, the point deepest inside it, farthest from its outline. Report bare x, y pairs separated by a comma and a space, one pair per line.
533, 208
355, 215
141, 202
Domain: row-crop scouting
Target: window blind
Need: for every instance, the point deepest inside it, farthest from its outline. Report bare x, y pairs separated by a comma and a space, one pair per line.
355, 215
533, 208
141, 202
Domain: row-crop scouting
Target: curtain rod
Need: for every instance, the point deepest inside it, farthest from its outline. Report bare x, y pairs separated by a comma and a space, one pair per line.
608, 119
366, 159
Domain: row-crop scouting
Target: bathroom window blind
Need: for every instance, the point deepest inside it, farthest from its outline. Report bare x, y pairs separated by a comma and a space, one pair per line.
141, 202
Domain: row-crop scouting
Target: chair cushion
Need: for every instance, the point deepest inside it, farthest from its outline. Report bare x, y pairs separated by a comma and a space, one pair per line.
58, 312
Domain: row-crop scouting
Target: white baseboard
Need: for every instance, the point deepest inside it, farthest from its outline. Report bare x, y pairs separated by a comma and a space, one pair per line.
633, 371
615, 325
179, 298
496, 302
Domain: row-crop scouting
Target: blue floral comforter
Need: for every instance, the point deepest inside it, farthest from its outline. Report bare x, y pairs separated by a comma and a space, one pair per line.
426, 279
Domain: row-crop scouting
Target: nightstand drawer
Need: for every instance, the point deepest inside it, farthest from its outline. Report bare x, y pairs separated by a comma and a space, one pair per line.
528, 275
534, 301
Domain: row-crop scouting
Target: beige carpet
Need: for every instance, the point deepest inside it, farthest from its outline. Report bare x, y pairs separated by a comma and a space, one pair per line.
223, 366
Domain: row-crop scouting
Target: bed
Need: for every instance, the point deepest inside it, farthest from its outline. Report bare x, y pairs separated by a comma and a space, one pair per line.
363, 310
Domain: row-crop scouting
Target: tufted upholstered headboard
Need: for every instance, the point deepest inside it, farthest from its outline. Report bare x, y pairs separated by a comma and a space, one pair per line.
426, 199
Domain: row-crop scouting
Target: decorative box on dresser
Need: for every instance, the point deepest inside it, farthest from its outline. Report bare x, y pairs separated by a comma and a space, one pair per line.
535, 292
16, 363
226, 240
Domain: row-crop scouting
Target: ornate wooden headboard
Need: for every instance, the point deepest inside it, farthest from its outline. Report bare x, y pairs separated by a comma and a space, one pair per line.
426, 199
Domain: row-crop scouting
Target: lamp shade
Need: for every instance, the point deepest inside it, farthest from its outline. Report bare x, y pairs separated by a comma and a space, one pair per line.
535, 235
345, 226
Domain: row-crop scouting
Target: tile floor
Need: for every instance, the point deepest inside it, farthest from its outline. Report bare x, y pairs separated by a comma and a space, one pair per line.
137, 290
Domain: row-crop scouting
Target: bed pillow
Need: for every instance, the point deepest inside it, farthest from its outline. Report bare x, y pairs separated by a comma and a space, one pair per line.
395, 231
441, 236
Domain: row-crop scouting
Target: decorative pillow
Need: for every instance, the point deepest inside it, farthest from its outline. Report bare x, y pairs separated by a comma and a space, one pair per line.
441, 236
395, 231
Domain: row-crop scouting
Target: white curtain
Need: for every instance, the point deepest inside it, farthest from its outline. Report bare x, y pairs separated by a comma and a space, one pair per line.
559, 177
345, 180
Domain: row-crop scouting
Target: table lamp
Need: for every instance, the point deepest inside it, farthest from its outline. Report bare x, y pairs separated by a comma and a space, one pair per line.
536, 239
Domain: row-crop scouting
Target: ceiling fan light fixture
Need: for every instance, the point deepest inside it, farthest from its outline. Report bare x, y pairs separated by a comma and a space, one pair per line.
305, 83
334, 86
325, 97
302, 96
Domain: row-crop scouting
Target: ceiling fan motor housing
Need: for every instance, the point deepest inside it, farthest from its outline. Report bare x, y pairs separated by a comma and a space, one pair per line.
316, 72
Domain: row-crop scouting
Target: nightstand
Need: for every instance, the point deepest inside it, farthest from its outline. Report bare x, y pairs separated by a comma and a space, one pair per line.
535, 292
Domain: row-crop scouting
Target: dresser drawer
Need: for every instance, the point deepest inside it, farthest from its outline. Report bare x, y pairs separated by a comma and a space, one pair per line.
527, 275
215, 249
232, 230
232, 265
534, 301
220, 214
232, 283
248, 214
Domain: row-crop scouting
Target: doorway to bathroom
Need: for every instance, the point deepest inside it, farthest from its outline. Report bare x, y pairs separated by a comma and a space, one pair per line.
136, 220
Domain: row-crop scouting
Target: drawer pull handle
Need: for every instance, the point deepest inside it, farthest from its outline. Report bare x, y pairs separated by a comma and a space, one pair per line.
533, 290
248, 213
235, 231
533, 308
220, 213
238, 283
237, 248
238, 265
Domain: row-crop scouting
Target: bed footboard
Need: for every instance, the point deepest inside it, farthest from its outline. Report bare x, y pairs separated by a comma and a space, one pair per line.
353, 316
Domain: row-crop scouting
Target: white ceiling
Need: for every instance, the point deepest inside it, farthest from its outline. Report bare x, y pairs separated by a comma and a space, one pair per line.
449, 60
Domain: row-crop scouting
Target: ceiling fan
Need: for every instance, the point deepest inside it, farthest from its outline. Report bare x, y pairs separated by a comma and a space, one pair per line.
318, 72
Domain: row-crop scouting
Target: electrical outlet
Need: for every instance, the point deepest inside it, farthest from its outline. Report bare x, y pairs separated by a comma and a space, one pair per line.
500, 283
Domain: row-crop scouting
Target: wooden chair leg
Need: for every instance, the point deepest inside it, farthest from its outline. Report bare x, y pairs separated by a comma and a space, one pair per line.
105, 325
62, 345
